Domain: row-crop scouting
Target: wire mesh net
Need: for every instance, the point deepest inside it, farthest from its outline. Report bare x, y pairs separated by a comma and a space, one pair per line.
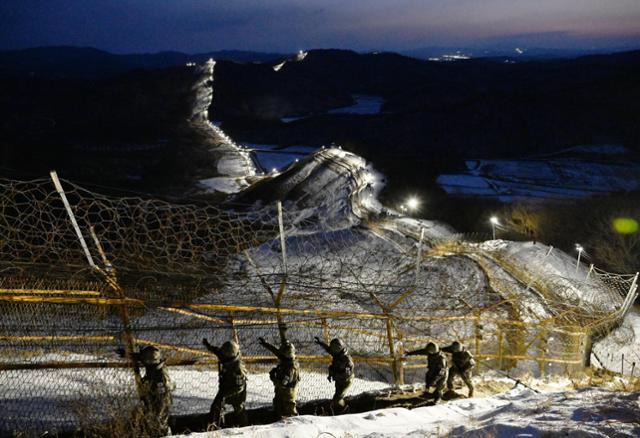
169, 275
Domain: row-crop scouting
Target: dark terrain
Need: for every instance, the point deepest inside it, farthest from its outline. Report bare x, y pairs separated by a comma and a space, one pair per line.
435, 113
122, 121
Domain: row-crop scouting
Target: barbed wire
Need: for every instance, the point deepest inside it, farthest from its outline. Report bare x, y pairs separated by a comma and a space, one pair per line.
188, 271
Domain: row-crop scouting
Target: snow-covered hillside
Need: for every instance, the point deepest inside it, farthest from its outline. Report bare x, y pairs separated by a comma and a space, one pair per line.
234, 165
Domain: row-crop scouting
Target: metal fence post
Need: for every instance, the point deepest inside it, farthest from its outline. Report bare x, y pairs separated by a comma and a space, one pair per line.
477, 334
72, 218
392, 353
282, 239
419, 256
500, 348
325, 330
542, 346
234, 329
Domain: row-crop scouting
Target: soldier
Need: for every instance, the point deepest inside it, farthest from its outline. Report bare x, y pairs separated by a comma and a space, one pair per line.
340, 370
461, 364
232, 382
155, 391
436, 369
285, 377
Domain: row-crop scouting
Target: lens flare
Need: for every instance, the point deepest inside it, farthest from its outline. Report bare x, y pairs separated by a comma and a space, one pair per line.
625, 225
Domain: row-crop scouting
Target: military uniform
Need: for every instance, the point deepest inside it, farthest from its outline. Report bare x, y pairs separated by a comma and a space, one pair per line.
462, 363
285, 377
155, 392
340, 370
436, 369
232, 382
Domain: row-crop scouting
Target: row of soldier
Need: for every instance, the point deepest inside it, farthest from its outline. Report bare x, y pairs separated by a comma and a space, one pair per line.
232, 378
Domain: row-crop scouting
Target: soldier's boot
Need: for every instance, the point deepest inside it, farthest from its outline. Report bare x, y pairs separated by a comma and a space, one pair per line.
440, 384
241, 413
277, 407
467, 381
338, 403
289, 408
216, 414
450, 377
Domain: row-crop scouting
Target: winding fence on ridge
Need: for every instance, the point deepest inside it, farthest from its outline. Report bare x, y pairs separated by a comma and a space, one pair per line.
82, 274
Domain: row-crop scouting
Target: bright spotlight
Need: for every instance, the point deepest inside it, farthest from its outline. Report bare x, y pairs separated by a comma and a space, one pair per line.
413, 203
494, 222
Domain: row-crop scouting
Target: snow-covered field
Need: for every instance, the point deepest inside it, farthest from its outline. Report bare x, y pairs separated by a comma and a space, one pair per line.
364, 104
573, 173
270, 156
519, 412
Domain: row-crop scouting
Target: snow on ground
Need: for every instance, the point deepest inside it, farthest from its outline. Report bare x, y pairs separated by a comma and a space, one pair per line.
64, 395
573, 173
623, 342
590, 412
364, 104
271, 156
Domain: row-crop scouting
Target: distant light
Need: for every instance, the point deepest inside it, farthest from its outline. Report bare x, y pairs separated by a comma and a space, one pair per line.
579, 247
519, 51
274, 170
494, 220
625, 225
413, 203
297, 160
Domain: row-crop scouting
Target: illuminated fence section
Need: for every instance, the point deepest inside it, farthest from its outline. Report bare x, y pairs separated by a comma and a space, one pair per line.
169, 275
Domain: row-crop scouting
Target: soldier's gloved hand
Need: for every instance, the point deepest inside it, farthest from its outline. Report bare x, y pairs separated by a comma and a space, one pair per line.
262, 341
120, 352
205, 342
329, 378
316, 339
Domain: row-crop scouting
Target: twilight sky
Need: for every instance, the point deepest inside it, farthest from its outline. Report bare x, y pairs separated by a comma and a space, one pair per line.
127, 26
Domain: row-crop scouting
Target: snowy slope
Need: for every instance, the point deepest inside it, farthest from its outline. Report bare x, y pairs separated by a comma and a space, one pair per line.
621, 346
590, 412
234, 165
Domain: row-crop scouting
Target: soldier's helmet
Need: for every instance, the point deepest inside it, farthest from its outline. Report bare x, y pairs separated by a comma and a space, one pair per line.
336, 346
432, 348
230, 350
151, 356
456, 347
288, 350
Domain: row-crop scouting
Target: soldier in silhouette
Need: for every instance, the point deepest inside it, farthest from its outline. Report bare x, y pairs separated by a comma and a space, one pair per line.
462, 363
436, 369
285, 377
340, 370
232, 383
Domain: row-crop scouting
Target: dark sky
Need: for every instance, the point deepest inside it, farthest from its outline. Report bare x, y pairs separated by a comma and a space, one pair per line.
126, 26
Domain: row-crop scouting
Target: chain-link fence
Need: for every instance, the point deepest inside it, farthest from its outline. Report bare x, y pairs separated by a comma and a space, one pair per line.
83, 274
